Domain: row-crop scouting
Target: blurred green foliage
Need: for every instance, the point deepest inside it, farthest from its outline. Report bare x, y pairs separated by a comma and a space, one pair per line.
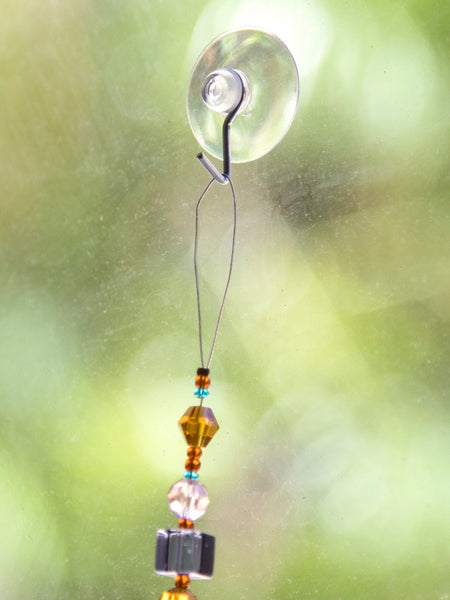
329, 476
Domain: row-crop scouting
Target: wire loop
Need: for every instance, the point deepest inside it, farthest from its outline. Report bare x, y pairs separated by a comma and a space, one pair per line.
230, 269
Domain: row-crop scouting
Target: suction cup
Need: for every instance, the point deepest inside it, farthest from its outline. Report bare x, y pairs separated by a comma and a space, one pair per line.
263, 65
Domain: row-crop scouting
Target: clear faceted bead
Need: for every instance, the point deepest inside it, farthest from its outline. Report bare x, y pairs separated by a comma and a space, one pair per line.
188, 499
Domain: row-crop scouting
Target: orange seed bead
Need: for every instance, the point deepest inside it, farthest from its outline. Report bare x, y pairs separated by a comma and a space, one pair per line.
202, 381
192, 464
182, 581
185, 524
194, 452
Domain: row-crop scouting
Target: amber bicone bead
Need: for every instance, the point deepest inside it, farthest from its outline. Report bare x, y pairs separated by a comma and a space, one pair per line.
198, 425
178, 594
192, 464
182, 581
185, 524
194, 452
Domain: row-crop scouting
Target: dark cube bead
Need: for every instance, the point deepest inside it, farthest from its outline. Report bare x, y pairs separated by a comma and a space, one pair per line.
184, 551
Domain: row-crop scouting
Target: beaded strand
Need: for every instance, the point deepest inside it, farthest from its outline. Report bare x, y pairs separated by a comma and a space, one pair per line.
184, 553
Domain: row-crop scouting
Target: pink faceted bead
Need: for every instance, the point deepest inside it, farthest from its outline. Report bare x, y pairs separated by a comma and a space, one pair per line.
188, 499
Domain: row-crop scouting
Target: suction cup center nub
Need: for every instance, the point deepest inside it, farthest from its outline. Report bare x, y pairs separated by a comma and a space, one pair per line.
222, 90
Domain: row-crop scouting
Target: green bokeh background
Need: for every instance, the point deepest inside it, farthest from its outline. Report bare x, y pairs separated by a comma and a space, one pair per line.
329, 476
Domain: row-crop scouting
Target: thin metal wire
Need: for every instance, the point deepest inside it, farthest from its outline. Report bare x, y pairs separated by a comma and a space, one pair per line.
230, 269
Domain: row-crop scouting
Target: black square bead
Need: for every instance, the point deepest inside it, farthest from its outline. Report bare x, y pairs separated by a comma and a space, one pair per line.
184, 551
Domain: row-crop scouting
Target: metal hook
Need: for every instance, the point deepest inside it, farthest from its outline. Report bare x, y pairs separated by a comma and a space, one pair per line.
223, 178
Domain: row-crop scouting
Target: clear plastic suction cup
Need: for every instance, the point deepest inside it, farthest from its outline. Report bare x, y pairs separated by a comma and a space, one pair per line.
247, 62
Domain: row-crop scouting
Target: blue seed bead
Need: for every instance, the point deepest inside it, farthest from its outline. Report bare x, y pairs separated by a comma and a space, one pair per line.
191, 475
201, 392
